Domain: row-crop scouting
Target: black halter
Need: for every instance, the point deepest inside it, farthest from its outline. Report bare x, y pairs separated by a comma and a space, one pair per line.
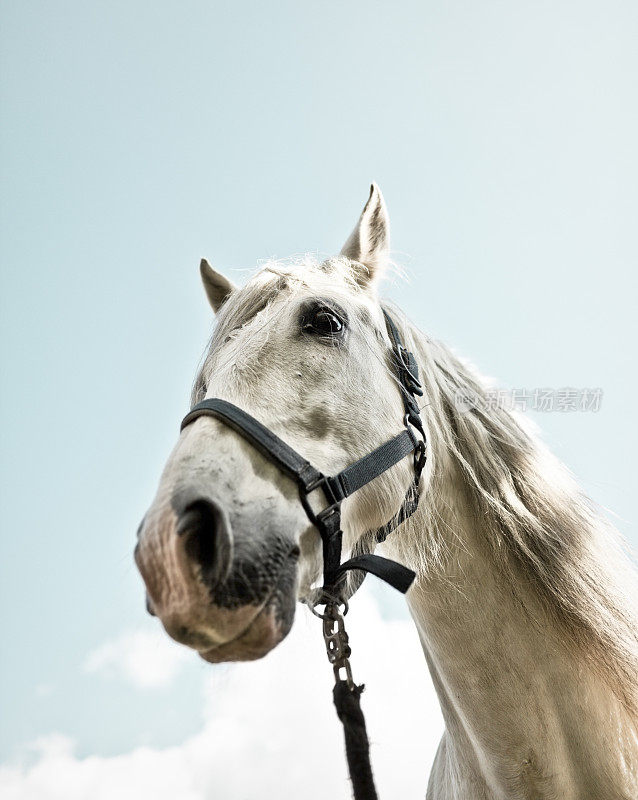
337, 487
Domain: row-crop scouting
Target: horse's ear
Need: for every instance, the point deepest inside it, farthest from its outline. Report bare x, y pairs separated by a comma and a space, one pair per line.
218, 287
369, 242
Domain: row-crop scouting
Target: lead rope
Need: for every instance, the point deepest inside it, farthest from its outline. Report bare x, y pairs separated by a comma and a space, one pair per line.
346, 695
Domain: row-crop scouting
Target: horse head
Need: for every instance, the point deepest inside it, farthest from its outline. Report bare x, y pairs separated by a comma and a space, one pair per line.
226, 549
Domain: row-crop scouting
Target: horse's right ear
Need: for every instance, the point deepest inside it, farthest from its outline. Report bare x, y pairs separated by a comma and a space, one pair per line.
217, 287
368, 245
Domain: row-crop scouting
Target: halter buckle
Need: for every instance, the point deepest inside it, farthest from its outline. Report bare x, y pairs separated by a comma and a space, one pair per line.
409, 370
332, 491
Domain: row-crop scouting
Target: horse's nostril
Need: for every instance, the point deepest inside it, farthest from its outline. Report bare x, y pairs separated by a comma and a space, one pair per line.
204, 531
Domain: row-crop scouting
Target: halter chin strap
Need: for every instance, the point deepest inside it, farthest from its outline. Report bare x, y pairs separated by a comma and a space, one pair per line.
336, 488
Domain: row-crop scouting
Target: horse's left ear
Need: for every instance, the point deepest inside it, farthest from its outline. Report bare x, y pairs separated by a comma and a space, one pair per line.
369, 243
217, 286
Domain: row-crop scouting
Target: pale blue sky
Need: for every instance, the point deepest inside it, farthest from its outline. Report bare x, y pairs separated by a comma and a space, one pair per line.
139, 136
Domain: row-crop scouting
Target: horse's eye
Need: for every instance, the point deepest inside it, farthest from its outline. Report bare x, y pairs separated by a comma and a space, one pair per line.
324, 322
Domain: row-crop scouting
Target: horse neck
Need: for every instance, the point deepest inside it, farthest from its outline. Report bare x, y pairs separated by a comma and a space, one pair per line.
523, 712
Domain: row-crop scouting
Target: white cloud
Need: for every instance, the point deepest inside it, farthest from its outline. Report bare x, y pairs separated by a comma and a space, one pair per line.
270, 728
147, 659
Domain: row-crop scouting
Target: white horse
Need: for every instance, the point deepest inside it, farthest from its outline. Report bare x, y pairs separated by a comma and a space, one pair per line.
524, 600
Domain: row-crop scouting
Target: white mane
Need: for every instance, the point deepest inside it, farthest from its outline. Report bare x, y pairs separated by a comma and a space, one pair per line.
539, 524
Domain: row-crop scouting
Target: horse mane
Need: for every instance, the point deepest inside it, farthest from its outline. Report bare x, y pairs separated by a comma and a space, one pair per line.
539, 525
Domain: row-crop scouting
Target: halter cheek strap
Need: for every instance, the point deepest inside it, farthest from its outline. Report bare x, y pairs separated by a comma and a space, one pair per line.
336, 488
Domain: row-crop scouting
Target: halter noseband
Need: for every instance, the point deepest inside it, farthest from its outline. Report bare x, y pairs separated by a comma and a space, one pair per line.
337, 487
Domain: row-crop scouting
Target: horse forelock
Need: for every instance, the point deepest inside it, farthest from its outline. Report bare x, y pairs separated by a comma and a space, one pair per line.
242, 324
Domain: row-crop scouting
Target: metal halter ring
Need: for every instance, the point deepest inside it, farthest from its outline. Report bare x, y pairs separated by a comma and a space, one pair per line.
331, 602
419, 457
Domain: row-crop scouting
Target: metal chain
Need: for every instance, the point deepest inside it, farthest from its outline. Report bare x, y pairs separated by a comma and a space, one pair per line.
336, 640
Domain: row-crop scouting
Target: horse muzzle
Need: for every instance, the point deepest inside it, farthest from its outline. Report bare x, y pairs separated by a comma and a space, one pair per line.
226, 589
